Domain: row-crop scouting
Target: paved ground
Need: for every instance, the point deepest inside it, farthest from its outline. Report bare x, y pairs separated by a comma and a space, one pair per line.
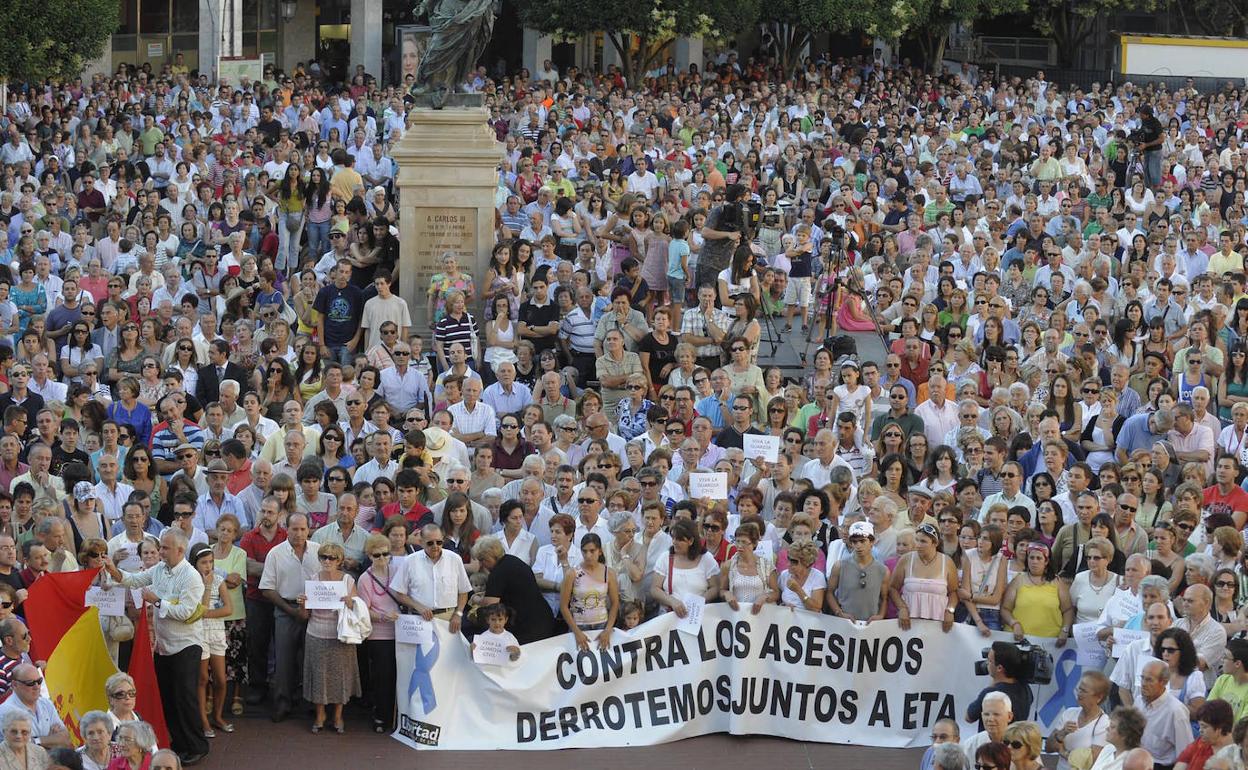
791, 346
258, 743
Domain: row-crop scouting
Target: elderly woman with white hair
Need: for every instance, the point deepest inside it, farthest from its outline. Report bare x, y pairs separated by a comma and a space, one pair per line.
136, 740
948, 756
121, 692
17, 752
626, 557
96, 729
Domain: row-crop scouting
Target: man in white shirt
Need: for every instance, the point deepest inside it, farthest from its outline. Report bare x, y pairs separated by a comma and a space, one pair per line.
379, 445
1207, 634
1131, 658
286, 569
434, 583
818, 470
177, 591
996, 715
475, 423
1168, 730
939, 414
588, 518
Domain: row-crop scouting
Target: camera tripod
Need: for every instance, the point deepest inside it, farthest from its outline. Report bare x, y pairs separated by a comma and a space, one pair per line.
841, 279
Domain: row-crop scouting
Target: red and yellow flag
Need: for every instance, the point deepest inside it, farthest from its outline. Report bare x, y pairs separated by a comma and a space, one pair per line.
77, 671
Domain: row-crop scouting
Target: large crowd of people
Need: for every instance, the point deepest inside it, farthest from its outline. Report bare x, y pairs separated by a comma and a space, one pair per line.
211, 393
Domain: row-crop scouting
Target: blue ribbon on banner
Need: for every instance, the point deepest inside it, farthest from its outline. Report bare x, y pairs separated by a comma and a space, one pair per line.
1067, 672
421, 681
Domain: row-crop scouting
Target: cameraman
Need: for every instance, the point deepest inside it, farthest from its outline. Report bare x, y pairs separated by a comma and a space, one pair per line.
1148, 139
1004, 666
722, 231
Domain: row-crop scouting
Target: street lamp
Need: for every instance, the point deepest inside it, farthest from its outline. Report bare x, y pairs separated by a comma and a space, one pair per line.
289, 9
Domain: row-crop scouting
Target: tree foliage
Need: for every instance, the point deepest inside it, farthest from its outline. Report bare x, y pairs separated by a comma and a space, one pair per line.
53, 38
793, 24
639, 29
928, 21
1071, 24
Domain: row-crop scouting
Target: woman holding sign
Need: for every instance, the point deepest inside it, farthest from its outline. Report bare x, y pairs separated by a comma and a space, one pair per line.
331, 674
590, 597
686, 569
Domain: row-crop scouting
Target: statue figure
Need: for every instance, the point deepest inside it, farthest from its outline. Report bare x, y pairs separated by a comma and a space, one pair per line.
461, 31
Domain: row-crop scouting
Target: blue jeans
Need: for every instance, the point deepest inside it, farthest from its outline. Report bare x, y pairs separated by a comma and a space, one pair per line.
318, 239
1152, 168
341, 354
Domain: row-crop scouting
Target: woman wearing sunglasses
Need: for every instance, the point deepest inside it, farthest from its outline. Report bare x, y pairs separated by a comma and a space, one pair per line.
1023, 741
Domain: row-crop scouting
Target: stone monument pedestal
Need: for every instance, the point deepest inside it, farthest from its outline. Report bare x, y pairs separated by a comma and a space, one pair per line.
448, 174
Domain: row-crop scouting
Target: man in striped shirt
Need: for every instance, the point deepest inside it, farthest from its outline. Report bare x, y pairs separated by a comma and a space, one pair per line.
576, 333
174, 432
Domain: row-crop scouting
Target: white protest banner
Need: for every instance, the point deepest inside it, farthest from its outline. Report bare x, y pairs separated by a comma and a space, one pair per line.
782, 672
324, 594
489, 651
1091, 653
413, 629
110, 601
713, 486
766, 448
1124, 636
695, 605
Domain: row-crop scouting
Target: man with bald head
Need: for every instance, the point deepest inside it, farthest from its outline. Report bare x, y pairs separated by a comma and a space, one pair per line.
434, 583
819, 470
47, 728
1136, 759
1207, 634
1131, 658
1168, 730
178, 593
292, 422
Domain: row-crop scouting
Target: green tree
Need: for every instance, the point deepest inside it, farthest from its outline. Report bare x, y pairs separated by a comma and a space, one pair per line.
928, 21
639, 30
793, 23
52, 38
1070, 24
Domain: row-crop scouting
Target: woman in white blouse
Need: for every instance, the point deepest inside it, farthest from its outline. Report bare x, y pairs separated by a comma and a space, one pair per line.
1082, 726
686, 570
517, 540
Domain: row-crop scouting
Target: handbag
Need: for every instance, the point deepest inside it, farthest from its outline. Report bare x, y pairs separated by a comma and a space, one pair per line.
403, 608
119, 628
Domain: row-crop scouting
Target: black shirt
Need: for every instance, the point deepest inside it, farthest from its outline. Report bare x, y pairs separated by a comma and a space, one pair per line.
540, 315
513, 584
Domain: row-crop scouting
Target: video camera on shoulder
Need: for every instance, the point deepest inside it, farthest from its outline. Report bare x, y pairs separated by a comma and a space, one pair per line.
1035, 665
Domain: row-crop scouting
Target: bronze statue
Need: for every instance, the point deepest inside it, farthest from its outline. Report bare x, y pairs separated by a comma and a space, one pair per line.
461, 31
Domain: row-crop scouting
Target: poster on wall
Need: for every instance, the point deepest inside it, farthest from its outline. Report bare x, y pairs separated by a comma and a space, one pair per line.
411, 41
233, 71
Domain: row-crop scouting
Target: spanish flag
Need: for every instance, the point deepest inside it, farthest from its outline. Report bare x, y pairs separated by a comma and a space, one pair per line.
77, 671
60, 624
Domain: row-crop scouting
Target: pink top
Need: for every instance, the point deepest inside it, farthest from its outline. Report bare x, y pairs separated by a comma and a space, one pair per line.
379, 602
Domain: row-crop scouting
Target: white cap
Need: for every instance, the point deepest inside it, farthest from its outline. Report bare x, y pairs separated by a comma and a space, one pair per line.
861, 529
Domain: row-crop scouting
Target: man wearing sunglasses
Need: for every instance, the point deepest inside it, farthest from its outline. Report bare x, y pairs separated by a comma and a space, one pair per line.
47, 728
14, 651
434, 583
